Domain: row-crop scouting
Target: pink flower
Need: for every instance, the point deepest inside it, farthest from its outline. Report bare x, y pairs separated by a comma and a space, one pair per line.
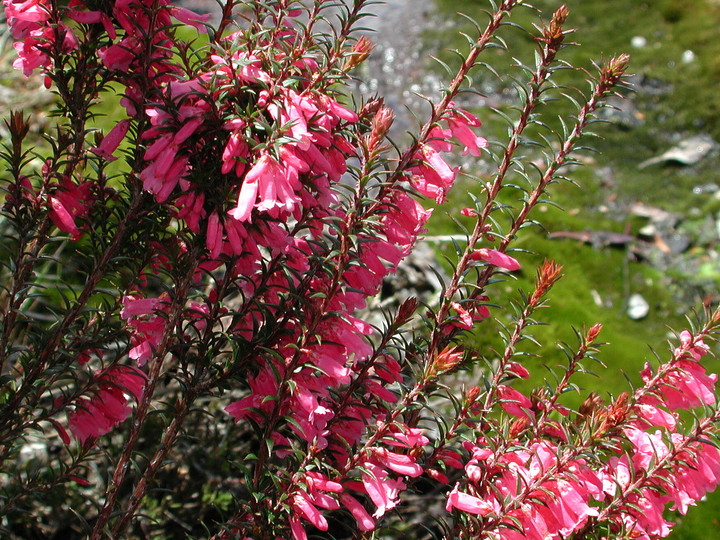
402, 464
93, 17
687, 385
98, 414
364, 521
513, 402
68, 202
496, 258
408, 438
383, 491
190, 18
649, 411
112, 140
268, 180
297, 530
119, 57
301, 504
467, 503
146, 319
432, 177
459, 122
23, 17
696, 349
235, 155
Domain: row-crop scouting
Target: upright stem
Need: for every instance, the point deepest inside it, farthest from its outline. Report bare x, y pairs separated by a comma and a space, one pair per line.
156, 364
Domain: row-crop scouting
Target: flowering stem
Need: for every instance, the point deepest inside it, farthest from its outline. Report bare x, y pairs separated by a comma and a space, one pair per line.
28, 387
553, 40
169, 335
450, 94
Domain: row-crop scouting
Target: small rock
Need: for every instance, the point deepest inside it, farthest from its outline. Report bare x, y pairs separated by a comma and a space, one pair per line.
677, 242
638, 42
688, 57
648, 231
687, 152
653, 213
642, 84
638, 308
702, 189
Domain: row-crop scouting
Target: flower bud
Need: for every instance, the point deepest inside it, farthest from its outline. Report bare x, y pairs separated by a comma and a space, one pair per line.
445, 360
359, 53
381, 123
553, 34
472, 394
593, 333
612, 72
406, 310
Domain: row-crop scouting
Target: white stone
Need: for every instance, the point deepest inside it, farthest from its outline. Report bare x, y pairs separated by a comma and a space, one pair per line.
638, 42
638, 308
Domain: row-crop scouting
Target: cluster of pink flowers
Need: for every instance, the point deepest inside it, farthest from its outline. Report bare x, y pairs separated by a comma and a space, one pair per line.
106, 403
547, 488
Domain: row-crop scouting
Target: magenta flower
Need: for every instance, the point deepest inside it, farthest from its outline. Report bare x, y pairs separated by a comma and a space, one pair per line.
112, 140
97, 414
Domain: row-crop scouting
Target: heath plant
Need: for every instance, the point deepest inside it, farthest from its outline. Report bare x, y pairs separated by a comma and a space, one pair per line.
184, 340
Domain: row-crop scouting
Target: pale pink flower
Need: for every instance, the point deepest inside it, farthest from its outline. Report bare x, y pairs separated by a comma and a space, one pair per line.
432, 176
468, 503
402, 464
697, 349
268, 180
382, 490
459, 122
146, 319
496, 258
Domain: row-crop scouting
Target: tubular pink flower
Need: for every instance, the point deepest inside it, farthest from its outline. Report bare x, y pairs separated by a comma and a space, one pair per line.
514, 402
382, 490
297, 530
459, 123
214, 236
190, 18
302, 503
467, 503
63, 219
112, 140
97, 415
400, 463
496, 258
364, 521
